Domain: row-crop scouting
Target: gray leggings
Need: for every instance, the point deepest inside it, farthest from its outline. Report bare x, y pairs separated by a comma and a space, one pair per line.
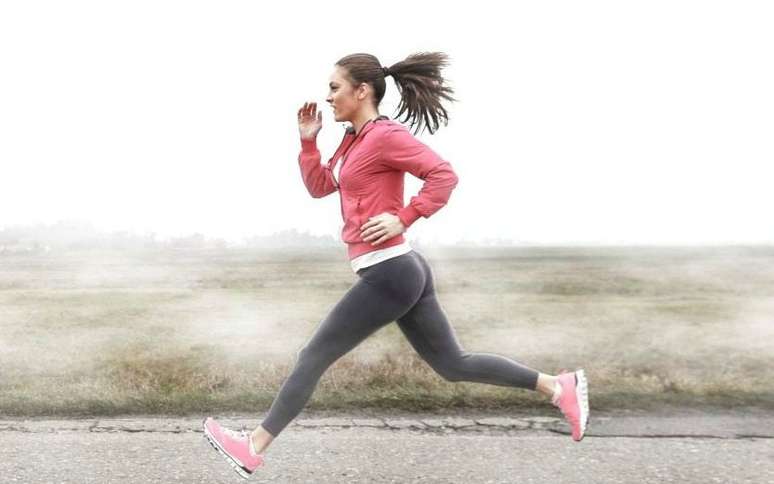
397, 289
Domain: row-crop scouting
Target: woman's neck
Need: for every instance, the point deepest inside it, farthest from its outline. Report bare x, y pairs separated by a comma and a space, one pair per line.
362, 119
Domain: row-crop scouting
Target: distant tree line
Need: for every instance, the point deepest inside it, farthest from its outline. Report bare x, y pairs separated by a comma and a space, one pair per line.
78, 235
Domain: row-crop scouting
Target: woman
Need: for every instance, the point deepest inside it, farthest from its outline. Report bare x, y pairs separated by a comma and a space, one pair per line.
395, 281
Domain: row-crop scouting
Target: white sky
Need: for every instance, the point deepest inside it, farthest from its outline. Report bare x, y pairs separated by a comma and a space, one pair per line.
577, 122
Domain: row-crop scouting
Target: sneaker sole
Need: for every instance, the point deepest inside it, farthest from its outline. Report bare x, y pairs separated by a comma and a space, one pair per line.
233, 462
582, 397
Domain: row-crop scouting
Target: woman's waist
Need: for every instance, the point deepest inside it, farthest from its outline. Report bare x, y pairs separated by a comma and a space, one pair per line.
357, 249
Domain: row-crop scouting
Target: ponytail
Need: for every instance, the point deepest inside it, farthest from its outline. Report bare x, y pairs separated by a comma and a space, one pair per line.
419, 81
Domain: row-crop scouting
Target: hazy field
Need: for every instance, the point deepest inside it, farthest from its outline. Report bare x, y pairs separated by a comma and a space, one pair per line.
214, 330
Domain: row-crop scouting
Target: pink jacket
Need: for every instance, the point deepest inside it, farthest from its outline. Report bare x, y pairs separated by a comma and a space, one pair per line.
371, 178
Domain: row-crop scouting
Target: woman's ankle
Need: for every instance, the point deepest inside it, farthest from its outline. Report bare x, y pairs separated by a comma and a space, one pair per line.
261, 439
546, 384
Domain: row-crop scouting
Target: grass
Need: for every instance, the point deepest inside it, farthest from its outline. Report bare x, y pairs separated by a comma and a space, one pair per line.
186, 332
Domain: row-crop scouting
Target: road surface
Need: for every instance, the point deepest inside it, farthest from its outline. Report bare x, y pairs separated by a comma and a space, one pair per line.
703, 448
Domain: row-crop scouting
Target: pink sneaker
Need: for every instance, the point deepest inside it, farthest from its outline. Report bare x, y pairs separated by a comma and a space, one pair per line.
573, 401
236, 447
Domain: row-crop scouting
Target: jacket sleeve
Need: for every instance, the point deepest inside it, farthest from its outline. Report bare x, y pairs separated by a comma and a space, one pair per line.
402, 151
318, 180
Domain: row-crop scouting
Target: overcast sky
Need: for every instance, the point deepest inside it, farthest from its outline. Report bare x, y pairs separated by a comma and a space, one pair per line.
577, 122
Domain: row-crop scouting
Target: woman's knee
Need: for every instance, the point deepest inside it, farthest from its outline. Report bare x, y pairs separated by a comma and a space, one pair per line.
451, 374
451, 368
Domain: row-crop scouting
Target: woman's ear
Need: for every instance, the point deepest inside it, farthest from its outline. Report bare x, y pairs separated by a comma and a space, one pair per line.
362, 90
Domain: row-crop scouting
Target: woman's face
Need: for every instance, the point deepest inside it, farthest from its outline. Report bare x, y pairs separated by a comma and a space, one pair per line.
343, 97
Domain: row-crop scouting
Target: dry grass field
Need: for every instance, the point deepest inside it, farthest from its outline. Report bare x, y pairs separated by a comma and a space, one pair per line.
182, 331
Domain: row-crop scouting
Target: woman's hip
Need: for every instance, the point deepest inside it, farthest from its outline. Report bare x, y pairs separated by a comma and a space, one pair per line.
403, 276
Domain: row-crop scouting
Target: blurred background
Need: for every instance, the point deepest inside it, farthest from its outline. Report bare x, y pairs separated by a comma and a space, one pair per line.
160, 253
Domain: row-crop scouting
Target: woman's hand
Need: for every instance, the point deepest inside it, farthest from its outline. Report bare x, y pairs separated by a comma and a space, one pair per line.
309, 121
381, 227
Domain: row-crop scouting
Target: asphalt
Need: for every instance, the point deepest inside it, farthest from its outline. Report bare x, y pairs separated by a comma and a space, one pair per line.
672, 445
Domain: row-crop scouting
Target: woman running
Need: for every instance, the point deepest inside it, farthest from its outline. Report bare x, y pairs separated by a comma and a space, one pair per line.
395, 281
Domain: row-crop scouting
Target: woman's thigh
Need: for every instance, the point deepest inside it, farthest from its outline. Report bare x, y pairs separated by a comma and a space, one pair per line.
383, 293
426, 326
429, 332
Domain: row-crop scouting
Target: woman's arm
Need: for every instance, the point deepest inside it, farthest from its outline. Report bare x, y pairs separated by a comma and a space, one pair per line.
402, 151
317, 179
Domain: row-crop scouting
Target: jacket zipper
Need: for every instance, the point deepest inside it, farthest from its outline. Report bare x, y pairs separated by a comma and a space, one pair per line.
338, 185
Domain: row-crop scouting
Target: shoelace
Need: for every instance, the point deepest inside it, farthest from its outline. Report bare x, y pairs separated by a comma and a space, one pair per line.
234, 434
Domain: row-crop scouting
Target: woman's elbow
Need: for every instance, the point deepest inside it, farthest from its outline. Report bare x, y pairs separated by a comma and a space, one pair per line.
452, 177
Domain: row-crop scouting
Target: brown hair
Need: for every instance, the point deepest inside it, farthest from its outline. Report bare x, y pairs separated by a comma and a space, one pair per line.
419, 81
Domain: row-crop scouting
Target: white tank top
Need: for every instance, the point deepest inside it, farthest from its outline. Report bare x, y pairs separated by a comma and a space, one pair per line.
376, 256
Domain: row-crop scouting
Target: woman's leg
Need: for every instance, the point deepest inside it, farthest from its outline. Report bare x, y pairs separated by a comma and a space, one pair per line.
384, 292
429, 332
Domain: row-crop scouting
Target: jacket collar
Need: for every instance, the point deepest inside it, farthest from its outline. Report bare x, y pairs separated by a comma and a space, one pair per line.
367, 127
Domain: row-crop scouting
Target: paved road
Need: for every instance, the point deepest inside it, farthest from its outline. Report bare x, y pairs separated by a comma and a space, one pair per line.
698, 448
